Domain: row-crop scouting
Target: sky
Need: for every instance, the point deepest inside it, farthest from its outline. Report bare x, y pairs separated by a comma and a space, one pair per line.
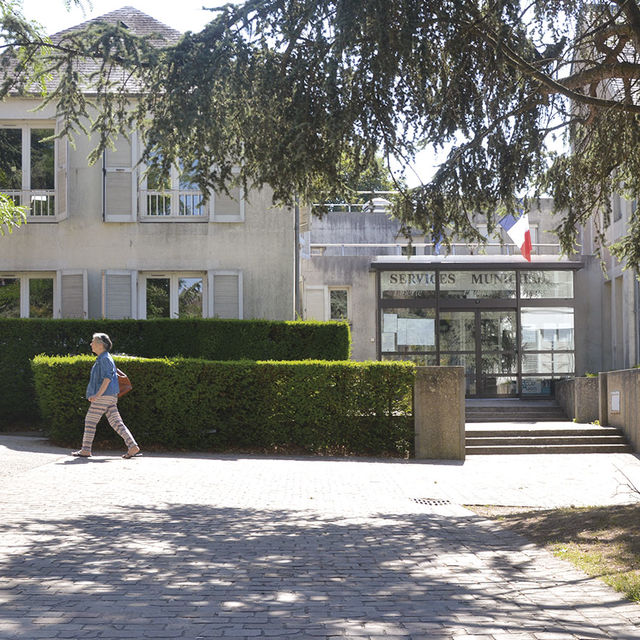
183, 15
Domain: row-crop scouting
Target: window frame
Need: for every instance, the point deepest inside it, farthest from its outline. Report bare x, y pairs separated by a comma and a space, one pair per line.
174, 278
24, 277
25, 193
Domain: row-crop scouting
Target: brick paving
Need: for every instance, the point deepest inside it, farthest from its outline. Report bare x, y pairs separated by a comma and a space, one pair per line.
188, 546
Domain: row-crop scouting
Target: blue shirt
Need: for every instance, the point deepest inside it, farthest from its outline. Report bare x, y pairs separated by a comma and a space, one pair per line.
104, 367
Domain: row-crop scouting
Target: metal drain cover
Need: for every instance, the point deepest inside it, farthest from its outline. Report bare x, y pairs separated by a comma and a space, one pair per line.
431, 502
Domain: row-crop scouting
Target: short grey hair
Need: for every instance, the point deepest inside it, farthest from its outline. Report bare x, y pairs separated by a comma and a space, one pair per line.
105, 339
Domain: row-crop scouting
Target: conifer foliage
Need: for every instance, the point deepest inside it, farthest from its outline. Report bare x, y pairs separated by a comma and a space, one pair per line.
280, 92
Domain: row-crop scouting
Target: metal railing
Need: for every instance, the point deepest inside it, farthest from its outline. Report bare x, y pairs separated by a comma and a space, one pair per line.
175, 203
457, 248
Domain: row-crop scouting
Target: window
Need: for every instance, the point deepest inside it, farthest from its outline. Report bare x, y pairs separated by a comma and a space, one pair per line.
173, 295
178, 197
339, 304
175, 196
27, 295
28, 169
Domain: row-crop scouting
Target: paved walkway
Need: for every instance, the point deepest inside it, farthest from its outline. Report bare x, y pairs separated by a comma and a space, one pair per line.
197, 546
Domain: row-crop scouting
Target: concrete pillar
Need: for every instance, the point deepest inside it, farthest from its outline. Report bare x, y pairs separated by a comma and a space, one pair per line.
603, 402
439, 413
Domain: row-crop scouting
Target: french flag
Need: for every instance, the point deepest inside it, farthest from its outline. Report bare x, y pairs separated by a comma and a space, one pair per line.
518, 231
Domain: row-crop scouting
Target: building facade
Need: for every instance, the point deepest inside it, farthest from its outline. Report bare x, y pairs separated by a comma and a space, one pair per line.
515, 326
110, 241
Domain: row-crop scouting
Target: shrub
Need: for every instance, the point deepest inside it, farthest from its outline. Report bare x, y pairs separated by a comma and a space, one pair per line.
212, 339
176, 403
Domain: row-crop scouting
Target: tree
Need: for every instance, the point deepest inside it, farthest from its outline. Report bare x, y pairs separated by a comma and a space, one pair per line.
284, 89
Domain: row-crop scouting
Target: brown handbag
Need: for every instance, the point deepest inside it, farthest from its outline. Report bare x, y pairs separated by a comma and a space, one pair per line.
123, 382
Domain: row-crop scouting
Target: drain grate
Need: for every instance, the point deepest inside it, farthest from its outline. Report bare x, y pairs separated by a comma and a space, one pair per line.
431, 502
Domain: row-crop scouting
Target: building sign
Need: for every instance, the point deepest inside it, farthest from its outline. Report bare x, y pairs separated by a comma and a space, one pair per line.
469, 283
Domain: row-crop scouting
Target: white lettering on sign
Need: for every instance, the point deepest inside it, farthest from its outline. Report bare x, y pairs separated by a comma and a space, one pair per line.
449, 280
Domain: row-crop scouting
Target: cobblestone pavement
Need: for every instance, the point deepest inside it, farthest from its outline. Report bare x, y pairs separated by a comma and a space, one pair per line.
188, 546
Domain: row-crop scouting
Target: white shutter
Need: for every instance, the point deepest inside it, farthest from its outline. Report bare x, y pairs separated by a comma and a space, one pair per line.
73, 294
228, 207
314, 303
62, 178
118, 294
119, 181
225, 294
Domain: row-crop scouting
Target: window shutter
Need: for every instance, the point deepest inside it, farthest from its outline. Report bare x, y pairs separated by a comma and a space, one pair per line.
225, 293
228, 207
73, 294
62, 178
314, 307
119, 181
118, 294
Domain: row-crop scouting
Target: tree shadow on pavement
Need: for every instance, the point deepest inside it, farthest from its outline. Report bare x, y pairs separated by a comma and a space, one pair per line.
191, 571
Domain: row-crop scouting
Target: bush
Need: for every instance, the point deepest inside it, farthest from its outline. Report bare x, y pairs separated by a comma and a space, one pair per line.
212, 339
313, 406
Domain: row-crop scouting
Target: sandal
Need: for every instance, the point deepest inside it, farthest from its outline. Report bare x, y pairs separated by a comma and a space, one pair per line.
134, 451
80, 454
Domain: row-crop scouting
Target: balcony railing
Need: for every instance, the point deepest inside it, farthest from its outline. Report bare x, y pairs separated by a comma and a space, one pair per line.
41, 202
187, 203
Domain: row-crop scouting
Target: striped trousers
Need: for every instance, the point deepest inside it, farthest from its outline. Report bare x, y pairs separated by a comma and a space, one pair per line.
102, 405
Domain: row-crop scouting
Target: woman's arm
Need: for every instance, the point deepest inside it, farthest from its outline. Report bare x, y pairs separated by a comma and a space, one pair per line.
101, 390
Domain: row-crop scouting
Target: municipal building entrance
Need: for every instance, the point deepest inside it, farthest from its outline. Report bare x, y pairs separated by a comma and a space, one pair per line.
511, 329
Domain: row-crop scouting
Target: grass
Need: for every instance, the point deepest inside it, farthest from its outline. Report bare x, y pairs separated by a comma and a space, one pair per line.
602, 541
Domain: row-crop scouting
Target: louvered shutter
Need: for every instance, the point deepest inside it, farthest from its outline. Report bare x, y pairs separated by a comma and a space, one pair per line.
119, 181
118, 294
73, 294
228, 207
225, 294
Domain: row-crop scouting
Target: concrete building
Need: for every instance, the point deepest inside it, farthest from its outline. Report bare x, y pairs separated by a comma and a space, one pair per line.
106, 241
619, 293
515, 326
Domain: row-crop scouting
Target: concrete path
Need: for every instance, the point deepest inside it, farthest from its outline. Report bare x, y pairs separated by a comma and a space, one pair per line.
197, 546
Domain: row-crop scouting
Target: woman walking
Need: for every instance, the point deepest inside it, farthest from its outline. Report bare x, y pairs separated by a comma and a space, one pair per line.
102, 393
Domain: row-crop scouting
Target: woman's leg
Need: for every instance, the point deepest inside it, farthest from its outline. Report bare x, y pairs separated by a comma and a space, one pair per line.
117, 424
96, 410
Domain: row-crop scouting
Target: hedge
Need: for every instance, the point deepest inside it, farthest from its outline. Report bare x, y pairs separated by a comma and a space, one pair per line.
193, 404
211, 339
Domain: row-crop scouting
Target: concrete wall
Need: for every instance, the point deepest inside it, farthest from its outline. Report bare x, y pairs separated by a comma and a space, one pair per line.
579, 397
439, 413
624, 387
353, 272
261, 247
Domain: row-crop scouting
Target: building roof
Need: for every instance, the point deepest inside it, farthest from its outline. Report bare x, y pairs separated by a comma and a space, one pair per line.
133, 19
160, 35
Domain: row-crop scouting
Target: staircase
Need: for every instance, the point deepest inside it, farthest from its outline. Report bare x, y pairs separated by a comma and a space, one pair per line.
513, 426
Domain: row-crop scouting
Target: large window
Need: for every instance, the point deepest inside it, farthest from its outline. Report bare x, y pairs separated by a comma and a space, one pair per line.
174, 295
27, 168
177, 195
27, 295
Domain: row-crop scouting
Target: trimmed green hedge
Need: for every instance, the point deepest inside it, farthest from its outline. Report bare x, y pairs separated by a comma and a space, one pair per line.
315, 406
212, 339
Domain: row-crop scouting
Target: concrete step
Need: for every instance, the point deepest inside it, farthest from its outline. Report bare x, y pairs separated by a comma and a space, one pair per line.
536, 449
479, 431
515, 414
544, 440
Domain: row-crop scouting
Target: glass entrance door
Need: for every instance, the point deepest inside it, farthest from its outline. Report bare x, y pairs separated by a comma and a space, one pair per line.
497, 370
484, 342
